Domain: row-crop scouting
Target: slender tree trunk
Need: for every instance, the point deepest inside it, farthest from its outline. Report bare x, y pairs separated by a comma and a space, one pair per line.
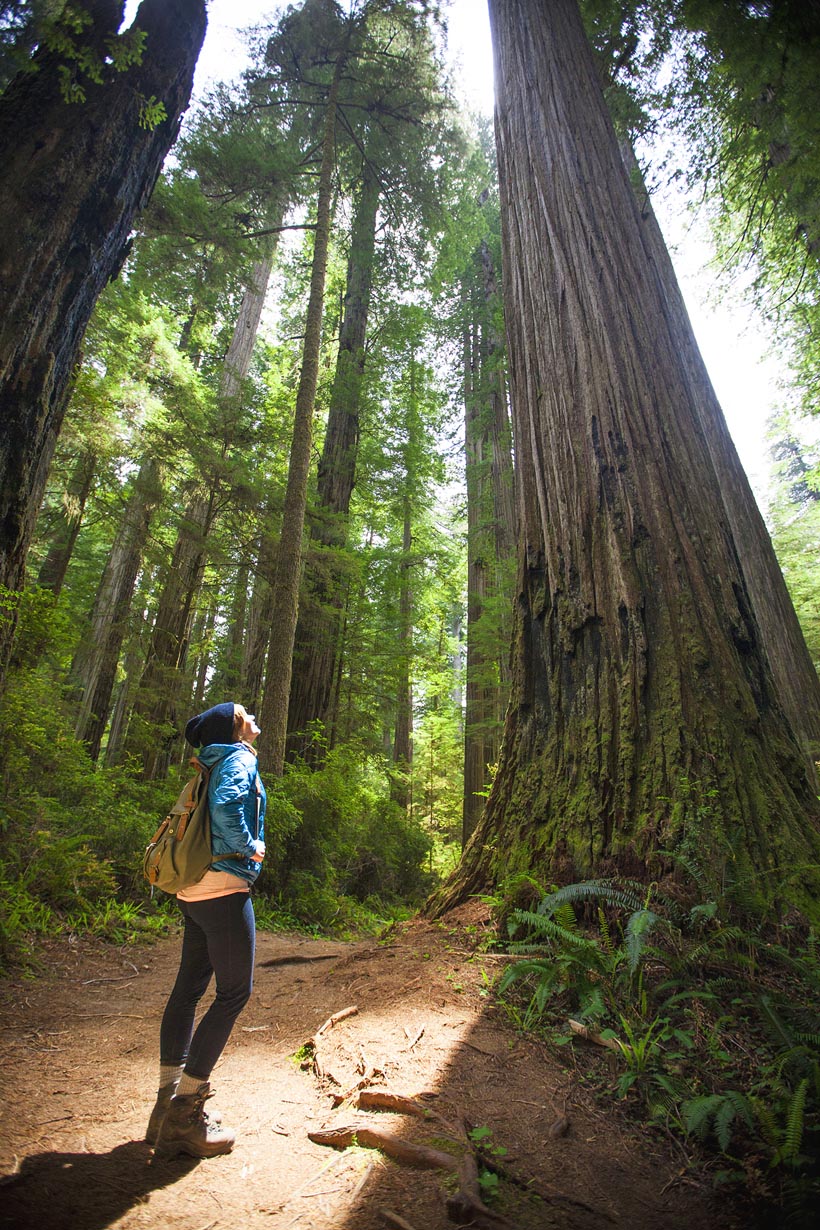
318, 641
403, 738
477, 722
95, 664
274, 715
240, 352
490, 550
203, 632
55, 565
260, 618
643, 708
230, 676
505, 517
74, 178
155, 722
123, 698
401, 786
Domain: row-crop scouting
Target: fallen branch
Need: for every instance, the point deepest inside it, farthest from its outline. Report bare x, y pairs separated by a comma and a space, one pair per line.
334, 1020
311, 1047
416, 1040
590, 1036
393, 1219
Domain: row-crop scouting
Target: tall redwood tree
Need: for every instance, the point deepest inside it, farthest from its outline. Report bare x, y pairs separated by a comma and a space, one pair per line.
643, 707
75, 174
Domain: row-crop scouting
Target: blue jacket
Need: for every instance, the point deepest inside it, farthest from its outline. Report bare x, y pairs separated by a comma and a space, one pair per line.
232, 801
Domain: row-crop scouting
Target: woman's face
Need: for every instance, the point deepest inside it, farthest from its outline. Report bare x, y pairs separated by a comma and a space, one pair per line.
249, 730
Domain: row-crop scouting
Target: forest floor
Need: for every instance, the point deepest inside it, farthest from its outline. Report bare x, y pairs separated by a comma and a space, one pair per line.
78, 1069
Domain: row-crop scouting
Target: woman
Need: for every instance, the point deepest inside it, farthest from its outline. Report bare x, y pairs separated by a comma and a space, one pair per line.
218, 939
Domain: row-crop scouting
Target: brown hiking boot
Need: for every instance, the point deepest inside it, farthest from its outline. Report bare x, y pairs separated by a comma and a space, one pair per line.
187, 1129
158, 1113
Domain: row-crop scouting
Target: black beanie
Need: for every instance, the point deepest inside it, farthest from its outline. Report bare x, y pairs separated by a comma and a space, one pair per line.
213, 726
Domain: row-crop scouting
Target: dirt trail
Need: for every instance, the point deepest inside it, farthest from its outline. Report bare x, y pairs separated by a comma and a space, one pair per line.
79, 1076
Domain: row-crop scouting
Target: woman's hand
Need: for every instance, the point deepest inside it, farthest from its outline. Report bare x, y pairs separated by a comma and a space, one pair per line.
260, 853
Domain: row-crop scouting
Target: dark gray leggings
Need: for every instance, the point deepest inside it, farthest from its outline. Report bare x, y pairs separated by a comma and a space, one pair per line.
220, 940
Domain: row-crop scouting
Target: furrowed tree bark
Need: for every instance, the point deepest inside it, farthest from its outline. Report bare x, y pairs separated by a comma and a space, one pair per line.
274, 711
318, 631
643, 708
74, 178
796, 681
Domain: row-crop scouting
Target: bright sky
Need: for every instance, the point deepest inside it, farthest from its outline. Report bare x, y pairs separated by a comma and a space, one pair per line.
733, 346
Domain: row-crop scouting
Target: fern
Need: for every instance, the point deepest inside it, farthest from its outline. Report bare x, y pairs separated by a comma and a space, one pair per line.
606, 935
776, 1027
699, 1112
547, 930
793, 1135
638, 929
734, 1105
720, 1111
626, 894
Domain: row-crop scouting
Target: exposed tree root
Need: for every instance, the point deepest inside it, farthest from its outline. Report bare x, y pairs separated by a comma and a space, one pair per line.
465, 1207
421, 1156
311, 1047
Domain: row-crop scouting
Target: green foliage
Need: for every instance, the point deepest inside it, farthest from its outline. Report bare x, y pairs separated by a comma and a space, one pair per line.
344, 855
711, 1006
152, 112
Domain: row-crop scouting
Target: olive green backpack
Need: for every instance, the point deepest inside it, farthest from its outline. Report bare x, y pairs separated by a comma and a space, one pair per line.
179, 853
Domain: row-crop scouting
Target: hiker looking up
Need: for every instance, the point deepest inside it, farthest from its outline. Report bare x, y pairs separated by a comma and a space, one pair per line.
219, 937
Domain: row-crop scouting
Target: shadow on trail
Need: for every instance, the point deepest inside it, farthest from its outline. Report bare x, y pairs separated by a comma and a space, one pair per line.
88, 1189
425, 1029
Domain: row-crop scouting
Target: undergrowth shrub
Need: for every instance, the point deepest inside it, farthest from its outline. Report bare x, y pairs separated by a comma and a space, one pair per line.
342, 857
710, 1004
346, 857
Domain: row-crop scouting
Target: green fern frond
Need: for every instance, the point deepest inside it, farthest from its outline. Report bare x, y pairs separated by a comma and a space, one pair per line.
565, 917
733, 1104
526, 969
777, 1028
548, 930
699, 1112
793, 1135
638, 930
626, 894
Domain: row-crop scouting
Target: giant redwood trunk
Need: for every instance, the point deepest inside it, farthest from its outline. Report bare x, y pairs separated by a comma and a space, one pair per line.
796, 680
643, 708
74, 177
